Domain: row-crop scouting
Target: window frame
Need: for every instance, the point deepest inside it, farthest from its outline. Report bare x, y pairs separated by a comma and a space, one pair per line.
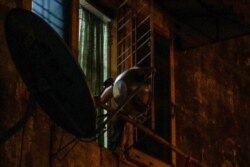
91, 8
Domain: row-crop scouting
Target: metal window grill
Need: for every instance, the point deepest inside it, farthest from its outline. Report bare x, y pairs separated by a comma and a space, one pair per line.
135, 45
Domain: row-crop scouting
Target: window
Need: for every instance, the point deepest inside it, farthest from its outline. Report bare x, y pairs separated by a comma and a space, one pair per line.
141, 46
93, 53
54, 12
162, 104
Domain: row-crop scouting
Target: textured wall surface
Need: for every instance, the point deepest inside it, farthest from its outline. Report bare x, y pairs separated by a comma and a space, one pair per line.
81, 153
213, 99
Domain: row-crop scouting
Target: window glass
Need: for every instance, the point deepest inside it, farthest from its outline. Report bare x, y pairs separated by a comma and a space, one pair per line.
54, 12
93, 54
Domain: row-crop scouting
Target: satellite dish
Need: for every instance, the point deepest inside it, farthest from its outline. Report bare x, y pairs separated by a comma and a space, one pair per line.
49, 71
125, 85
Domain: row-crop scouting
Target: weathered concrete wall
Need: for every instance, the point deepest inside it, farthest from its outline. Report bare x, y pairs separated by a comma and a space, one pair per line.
212, 95
81, 153
213, 98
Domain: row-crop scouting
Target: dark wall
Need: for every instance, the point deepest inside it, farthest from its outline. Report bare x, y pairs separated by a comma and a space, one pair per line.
213, 100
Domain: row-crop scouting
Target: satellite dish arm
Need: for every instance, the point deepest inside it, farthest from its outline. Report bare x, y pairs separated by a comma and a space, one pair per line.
11, 131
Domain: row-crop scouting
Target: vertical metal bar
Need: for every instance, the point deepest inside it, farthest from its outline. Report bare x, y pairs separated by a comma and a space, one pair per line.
131, 38
172, 99
152, 63
135, 32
